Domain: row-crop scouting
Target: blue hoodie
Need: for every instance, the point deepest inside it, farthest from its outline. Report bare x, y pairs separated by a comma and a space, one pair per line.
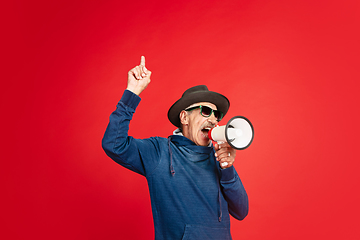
191, 196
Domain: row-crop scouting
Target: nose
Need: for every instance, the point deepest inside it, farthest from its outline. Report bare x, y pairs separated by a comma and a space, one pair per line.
212, 119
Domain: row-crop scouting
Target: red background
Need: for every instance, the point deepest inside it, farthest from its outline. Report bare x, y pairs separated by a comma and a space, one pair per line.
291, 67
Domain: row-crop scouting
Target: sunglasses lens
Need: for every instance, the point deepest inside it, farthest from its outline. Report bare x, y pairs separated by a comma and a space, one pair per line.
206, 111
218, 115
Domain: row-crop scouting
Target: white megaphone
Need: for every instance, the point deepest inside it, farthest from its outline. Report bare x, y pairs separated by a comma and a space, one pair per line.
238, 132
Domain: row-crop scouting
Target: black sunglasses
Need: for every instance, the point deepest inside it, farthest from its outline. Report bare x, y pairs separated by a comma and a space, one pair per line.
207, 111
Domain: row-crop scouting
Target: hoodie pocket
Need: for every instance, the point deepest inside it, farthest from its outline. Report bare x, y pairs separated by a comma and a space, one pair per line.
197, 232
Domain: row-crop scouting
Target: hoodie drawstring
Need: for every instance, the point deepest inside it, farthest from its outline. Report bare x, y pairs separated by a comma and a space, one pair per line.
172, 170
219, 195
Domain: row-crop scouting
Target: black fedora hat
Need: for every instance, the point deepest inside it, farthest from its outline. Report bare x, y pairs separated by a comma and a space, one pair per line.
194, 95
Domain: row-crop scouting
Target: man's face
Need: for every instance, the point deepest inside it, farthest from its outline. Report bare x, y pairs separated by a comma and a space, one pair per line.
197, 126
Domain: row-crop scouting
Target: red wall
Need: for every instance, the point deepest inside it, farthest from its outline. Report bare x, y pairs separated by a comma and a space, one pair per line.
291, 67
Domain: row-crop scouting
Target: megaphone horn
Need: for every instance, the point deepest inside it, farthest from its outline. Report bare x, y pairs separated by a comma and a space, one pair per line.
238, 132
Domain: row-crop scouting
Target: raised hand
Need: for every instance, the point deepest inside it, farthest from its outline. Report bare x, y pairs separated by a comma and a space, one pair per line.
138, 78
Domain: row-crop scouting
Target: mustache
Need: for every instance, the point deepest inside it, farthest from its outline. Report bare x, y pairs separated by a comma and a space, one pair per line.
208, 125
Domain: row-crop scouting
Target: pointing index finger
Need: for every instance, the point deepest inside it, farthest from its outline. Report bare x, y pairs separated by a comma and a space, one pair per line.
142, 61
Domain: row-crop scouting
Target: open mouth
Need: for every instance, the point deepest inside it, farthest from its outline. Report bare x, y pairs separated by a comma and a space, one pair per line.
205, 132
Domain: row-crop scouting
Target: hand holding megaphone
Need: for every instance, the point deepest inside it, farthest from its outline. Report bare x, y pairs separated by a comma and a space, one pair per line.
238, 133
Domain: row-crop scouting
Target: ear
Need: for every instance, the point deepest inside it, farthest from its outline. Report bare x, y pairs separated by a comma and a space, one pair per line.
184, 118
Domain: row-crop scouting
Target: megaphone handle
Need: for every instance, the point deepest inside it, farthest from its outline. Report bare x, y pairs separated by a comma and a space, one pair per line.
224, 164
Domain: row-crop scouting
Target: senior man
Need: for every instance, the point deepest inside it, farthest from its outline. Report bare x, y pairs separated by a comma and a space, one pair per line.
193, 185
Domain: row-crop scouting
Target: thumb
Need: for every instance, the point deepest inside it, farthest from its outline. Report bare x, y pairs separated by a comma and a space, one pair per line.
148, 72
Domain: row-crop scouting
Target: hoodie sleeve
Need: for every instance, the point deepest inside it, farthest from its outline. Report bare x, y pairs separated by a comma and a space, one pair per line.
234, 193
138, 155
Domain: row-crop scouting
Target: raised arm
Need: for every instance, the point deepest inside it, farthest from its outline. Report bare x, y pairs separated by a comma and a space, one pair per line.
135, 154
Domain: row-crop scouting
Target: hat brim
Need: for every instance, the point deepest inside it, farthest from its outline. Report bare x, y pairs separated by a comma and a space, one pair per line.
221, 102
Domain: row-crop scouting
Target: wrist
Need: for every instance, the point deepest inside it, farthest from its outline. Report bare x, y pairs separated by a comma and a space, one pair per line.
137, 92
